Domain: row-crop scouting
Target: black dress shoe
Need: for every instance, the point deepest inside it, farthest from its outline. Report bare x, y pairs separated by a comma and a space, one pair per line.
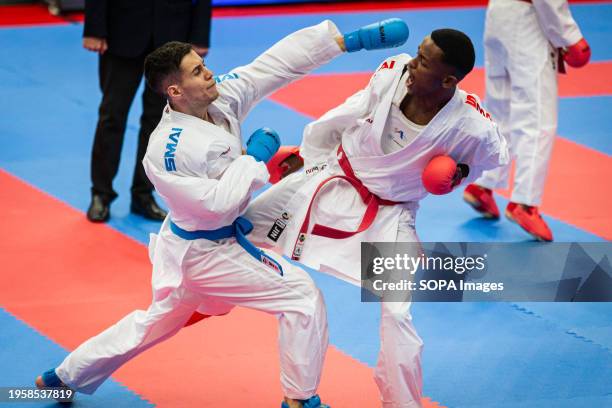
148, 208
99, 209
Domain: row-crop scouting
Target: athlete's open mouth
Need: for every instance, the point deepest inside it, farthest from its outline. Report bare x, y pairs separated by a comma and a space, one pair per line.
410, 81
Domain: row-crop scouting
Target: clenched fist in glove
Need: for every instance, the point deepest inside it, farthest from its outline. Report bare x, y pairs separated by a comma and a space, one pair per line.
442, 174
384, 34
577, 55
263, 144
286, 161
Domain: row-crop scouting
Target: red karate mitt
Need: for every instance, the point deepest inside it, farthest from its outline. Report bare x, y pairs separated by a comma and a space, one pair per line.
442, 174
284, 162
578, 55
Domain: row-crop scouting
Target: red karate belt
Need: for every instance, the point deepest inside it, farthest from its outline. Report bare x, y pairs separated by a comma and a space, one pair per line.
371, 200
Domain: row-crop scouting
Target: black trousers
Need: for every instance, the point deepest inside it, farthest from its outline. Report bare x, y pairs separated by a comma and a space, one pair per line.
119, 81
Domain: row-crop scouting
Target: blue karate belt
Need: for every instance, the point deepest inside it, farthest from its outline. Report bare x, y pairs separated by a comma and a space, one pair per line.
238, 229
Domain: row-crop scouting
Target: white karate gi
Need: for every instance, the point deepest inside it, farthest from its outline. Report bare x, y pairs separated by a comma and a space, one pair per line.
521, 41
461, 130
199, 171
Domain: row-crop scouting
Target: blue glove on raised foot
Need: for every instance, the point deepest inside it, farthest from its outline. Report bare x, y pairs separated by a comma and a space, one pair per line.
384, 34
263, 144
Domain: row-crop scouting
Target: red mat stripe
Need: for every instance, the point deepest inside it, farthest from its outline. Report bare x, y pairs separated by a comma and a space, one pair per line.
21, 15
357, 7
592, 80
33, 14
70, 279
37, 14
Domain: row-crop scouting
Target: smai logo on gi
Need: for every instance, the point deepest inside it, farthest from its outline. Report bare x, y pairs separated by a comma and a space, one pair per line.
171, 149
221, 78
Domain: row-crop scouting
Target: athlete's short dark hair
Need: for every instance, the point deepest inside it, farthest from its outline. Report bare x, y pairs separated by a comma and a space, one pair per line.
457, 48
164, 62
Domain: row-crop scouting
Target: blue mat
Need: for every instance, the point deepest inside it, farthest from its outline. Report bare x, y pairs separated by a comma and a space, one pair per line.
25, 354
489, 355
586, 121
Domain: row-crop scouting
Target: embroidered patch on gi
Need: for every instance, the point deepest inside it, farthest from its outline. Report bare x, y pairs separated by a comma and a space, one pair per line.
297, 250
279, 226
269, 262
315, 169
221, 78
277, 229
169, 155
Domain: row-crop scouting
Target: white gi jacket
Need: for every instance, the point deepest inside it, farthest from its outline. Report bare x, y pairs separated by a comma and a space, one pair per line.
462, 129
556, 21
198, 168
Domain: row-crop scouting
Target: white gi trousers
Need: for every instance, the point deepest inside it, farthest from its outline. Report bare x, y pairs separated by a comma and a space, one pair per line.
398, 371
521, 95
214, 276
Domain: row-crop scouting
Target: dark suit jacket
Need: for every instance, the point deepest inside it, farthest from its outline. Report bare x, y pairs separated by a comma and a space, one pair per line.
133, 27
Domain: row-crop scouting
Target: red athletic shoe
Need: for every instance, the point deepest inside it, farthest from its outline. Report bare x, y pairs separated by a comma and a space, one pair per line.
529, 218
481, 199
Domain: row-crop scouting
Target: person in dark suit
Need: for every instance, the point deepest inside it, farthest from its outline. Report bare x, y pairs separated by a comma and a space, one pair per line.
123, 33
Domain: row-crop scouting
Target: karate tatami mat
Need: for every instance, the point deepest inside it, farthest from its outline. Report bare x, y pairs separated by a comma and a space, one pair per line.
65, 279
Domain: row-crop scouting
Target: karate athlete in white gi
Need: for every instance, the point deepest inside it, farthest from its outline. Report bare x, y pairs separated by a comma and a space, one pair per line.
522, 41
373, 149
201, 257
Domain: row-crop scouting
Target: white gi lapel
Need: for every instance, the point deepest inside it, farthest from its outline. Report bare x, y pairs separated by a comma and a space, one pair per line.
384, 85
441, 120
408, 162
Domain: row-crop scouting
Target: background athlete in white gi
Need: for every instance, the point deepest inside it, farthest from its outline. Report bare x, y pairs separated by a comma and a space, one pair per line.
410, 112
195, 161
522, 41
